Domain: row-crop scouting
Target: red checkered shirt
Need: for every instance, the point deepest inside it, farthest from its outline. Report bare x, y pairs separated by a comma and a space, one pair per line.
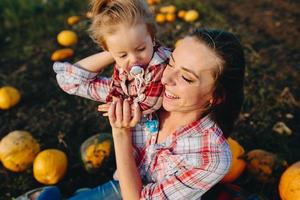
187, 164
149, 95
75, 80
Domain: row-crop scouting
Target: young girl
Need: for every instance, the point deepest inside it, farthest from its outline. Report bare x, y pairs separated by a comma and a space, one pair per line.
126, 30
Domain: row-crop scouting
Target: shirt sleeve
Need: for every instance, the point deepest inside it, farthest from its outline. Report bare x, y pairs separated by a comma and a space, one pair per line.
75, 80
189, 175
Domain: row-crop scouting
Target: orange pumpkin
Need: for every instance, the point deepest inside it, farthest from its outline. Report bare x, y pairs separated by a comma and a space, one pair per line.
238, 165
261, 164
170, 17
18, 150
191, 16
72, 20
62, 54
181, 14
67, 38
95, 151
160, 18
289, 183
9, 97
50, 166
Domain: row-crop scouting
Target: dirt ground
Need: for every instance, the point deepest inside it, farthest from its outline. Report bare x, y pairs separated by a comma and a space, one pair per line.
269, 31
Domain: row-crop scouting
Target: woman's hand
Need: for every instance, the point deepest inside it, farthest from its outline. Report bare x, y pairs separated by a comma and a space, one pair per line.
122, 115
104, 108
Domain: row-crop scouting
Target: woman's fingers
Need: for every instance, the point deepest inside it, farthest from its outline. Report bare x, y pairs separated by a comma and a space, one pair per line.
126, 113
120, 116
137, 114
104, 107
111, 114
119, 113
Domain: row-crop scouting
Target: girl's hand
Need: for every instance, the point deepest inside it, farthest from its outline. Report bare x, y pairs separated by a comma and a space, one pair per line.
122, 115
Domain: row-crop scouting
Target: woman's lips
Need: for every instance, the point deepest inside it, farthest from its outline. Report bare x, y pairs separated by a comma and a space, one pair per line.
170, 95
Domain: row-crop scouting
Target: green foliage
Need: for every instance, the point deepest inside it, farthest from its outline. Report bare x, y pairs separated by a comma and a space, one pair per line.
33, 21
28, 30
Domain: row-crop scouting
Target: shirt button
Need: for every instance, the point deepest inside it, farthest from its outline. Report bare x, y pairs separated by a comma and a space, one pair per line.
141, 97
148, 77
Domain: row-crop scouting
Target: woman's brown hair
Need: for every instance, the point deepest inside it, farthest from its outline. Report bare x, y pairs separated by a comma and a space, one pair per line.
228, 92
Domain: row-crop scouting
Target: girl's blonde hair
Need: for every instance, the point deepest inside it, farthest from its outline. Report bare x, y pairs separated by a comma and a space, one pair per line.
107, 14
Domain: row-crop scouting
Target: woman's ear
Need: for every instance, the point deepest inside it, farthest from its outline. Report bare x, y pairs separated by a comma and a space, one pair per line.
217, 101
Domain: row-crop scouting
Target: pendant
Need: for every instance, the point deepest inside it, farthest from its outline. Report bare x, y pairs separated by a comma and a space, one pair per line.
152, 126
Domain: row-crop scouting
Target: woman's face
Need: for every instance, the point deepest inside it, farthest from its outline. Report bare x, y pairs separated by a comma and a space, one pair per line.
188, 79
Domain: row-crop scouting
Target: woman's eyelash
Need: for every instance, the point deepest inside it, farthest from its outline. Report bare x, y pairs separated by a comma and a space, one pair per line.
187, 80
168, 64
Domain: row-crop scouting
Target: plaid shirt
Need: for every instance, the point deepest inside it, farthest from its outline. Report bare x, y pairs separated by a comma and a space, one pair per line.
149, 95
187, 164
75, 80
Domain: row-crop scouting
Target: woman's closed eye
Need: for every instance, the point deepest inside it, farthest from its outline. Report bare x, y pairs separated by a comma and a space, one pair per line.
186, 79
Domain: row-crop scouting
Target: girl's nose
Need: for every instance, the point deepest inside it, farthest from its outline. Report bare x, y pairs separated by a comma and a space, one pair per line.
134, 60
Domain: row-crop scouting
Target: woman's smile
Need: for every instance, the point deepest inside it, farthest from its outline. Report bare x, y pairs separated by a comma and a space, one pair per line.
169, 95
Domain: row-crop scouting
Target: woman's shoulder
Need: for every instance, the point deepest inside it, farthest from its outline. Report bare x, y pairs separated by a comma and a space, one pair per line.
203, 130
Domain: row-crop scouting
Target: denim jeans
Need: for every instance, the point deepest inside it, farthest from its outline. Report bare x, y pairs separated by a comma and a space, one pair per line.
107, 191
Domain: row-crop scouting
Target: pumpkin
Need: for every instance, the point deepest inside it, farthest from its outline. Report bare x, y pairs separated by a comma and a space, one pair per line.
150, 2
238, 165
9, 97
168, 9
181, 14
191, 16
160, 18
263, 164
72, 20
95, 150
67, 38
170, 17
50, 166
62, 54
289, 183
18, 150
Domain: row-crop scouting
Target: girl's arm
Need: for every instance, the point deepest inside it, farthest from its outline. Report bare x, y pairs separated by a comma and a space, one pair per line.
75, 80
96, 62
121, 121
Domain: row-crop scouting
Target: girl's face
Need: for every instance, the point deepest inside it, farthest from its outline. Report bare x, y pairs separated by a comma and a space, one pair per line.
188, 78
130, 46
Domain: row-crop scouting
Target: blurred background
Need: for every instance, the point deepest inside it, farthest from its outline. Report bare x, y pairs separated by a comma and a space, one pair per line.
268, 29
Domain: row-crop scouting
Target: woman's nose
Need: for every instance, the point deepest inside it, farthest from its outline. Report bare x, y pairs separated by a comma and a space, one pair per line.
167, 77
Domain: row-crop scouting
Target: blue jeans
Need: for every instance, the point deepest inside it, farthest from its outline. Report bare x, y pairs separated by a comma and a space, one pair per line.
107, 191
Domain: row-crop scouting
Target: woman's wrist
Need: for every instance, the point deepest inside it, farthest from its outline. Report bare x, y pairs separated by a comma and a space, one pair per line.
122, 134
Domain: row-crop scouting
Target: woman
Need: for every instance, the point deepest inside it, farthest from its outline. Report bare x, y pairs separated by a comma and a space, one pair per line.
182, 153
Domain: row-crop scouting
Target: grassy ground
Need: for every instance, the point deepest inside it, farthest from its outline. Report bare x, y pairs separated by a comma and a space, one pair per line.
28, 28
